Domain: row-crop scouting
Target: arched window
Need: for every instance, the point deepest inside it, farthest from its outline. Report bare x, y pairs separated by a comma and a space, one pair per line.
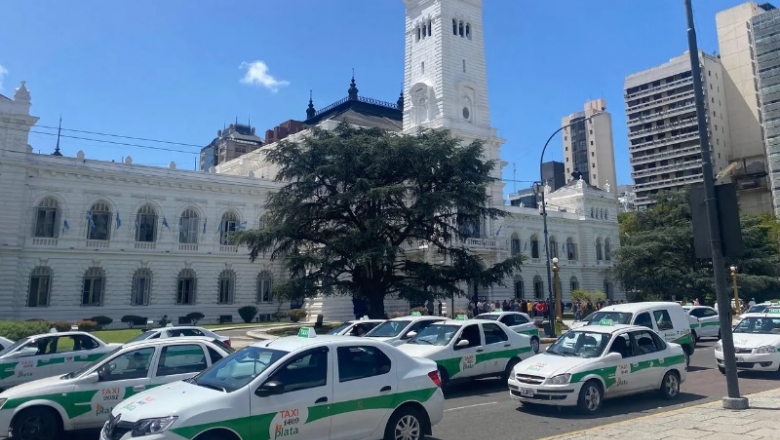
419, 32
47, 218
189, 224
608, 289
571, 249
146, 224
454, 27
227, 226
468, 31
607, 249
515, 244
606, 214
93, 287
99, 222
553, 247
538, 287
263, 222
574, 283
142, 287
519, 288
185, 289
430, 27
534, 246
227, 287
592, 215
460, 28
40, 287
599, 250
265, 287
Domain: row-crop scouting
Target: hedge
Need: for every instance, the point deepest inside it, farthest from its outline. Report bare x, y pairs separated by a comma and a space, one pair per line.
15, 330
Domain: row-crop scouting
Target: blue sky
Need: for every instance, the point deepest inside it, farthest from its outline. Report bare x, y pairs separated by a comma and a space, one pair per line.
172, 70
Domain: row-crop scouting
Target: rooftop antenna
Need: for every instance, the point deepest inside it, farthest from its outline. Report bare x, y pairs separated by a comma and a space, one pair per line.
57, 148
514, 176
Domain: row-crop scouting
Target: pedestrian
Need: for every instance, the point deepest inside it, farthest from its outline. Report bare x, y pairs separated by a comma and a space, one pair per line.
505, 305
430, 307
578, 311
696, 302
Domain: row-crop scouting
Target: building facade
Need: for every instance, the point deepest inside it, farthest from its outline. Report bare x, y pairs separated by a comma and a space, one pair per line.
663, 129
230, 143
588, 146
83, 238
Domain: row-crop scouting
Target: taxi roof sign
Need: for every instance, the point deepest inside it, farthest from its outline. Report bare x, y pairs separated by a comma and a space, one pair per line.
416, 314
606, 322
460, 318
364, 318
773, 310
307, 332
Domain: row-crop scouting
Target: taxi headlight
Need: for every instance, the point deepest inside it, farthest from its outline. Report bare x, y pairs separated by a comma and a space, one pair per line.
2, 402
766, 349
719, 346
561, 379
152, 426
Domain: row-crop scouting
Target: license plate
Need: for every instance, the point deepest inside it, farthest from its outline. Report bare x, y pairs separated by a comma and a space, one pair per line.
526, 392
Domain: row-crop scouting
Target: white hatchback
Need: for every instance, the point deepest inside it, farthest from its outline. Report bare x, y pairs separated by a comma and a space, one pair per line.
518, 322
306, 387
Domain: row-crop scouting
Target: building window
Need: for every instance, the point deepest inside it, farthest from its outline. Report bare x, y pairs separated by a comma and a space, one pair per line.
94, 284
40, 287
515, 244
227, 227
538, 287
609, 290
419, 33
227, 287
534, 247
464, 66
607, 249
519, 288
265, 286
574, 284
185, 291
599, 250
430, 27
189, 223
460, 28
47, 218
99, 222
146, 224
422, 67
571, 249
142, 287
468, 31
454, 27
553, 247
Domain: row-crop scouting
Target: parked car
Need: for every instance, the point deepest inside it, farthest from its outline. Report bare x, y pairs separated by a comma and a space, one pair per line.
709, 324
517, 321
350, 328
179, 331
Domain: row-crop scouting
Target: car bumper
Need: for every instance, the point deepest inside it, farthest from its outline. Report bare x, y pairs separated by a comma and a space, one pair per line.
435, 407
167, 435
752, 361
555, 395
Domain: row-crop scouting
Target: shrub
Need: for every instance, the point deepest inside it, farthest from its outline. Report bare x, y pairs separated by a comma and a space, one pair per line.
297, 314
396, 315
132, 320
86, 325
15, 330
102, 321
247, 313
194, 317
61, 326
422, 310
164, 321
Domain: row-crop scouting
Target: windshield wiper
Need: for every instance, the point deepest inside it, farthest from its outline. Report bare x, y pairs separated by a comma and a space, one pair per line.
213, 387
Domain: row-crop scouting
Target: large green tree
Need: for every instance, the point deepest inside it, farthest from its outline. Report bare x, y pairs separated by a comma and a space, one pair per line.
357, 204
657, 260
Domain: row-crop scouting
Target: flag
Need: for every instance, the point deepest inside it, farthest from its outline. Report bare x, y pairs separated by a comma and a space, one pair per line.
205, 222
65, 226
499, 230
118, 221
90, 220
241, 226
165, 223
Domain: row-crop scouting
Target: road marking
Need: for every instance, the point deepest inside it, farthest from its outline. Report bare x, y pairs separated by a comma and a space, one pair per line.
470, 406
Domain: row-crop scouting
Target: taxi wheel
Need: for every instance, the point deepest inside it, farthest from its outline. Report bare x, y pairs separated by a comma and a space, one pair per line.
535, 344
36, 423
670, 386
509, 367
405, 424
590, 397
694, 336
721, 369
687, 361
444, 377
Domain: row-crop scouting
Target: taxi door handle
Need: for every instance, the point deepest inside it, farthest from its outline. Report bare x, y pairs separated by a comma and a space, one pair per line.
139, 388
507, 345
480, 350
321, 400
387, 388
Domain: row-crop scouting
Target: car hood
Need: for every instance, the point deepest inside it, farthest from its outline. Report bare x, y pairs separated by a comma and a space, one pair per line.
578, 324
548, 365
421, 351
164, 401
38, 387
754, 340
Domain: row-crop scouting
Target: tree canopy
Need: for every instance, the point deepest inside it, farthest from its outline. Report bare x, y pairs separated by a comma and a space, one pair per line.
656, 259
358, 204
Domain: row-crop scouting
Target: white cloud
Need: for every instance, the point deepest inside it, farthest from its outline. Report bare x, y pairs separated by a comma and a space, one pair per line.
3, 73
257, 74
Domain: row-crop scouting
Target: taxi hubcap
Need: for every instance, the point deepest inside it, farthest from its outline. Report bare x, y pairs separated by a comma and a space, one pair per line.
592, 398
408, 428
33, 428
671, 385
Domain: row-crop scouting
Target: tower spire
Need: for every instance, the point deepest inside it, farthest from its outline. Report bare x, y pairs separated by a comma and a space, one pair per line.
59, 132
310, 111
353, 90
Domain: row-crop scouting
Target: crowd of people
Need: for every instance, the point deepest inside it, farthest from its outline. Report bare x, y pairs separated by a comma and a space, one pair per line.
534, 308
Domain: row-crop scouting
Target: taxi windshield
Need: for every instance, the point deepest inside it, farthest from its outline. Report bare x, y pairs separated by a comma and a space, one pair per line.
84, 369
238, 369
489, 316
340, 328
615, 317
584, 344
767, 326
435, 334
15, 345
388, 329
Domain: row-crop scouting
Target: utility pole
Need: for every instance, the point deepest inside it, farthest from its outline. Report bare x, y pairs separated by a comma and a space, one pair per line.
733, 401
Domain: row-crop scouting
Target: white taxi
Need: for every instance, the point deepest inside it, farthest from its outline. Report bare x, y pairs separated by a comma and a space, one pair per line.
179, 331
357, 327
304, 387
709, 323
48, 354
517, 321
756, 342
397, 331
470, 349
595, 362
84, 398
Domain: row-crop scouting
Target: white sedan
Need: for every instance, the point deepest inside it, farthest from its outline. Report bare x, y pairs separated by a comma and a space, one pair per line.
709, 324
397, 331
517, 321
595, 362
756, 343
304, 387
84, 398
358, 327
178, 332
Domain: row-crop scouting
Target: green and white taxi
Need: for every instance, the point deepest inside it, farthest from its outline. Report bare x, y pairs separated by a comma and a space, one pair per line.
397, 331
84, 398
756, 342
304, 387
470, 349
707, 320
357, 327
595, 362
49, 354
517, 321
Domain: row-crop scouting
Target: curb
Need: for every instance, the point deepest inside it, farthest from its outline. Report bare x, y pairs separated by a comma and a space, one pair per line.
648, 416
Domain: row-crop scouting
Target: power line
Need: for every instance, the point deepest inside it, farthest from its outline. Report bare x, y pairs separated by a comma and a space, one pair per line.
121, 136
116, 143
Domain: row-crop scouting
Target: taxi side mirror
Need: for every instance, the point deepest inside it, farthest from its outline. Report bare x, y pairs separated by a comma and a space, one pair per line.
463, 343
613, 357
270, 389
90, 378
410, 335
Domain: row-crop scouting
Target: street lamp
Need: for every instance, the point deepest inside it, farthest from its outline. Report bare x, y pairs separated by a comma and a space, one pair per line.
557, 285
736, 289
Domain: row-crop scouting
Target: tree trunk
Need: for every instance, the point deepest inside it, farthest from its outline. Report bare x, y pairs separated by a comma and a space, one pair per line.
376, 305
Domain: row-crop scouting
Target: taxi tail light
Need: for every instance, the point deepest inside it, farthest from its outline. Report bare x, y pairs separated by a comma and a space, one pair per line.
435, 377
227, 342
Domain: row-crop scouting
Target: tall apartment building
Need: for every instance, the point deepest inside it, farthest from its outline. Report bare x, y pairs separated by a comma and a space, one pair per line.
553, 174
588, 146
662, 127
234, 141
738, 39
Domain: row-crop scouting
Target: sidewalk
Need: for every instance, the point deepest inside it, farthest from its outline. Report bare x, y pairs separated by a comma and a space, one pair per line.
708, 421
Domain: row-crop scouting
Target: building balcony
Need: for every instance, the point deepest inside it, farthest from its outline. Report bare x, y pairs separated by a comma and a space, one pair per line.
659, 88
666, 169
485, 243
44, 241
668, 183
666, 127
659, 102
665, 141
223, 248
688, 107
666, 155
98, 244
145, 245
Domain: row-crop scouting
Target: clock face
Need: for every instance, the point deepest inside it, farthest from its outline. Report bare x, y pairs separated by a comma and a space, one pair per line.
466, 113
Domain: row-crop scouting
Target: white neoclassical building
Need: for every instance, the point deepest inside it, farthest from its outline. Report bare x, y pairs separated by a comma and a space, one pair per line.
80, 237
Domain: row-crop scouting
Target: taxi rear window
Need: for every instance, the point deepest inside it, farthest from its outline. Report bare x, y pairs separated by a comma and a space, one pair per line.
388, 329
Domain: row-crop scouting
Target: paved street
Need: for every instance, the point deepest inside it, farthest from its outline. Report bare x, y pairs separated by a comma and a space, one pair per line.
483, 409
